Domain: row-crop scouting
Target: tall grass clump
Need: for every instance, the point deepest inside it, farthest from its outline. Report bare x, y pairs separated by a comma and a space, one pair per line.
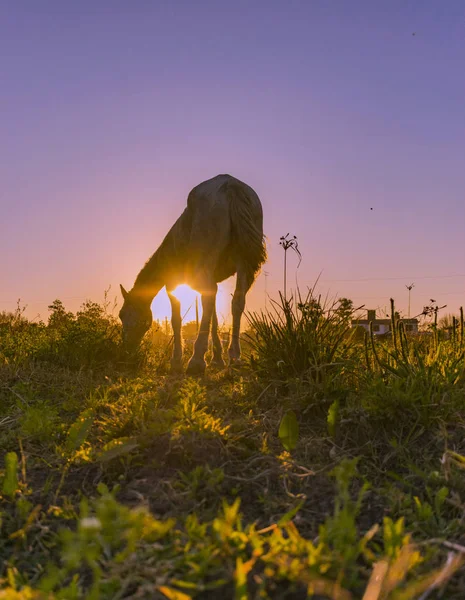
301, 338
424, 372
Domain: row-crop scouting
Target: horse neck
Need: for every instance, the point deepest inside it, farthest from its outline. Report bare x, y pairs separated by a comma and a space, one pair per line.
152, 277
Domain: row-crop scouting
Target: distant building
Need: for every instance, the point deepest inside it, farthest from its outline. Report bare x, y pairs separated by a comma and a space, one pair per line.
383, 326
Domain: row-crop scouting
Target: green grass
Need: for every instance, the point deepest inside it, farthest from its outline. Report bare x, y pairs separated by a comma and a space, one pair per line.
326, 466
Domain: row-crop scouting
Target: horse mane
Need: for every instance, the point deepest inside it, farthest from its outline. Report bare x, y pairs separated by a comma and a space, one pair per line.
248, 238
157, 266
151, 271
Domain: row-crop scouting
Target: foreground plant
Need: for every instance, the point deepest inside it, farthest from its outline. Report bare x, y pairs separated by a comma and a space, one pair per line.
112, 551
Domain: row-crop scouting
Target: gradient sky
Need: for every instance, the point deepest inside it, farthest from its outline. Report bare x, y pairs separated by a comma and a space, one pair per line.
111, 111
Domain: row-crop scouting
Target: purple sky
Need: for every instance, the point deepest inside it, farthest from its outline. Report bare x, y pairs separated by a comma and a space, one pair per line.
110, 112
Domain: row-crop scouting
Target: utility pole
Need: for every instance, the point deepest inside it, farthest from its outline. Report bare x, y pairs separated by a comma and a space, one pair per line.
409, 287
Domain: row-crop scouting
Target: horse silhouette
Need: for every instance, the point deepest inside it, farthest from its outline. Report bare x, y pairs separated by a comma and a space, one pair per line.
219, 234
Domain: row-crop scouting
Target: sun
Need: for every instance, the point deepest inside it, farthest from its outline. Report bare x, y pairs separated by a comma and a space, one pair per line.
186, 296
161, 308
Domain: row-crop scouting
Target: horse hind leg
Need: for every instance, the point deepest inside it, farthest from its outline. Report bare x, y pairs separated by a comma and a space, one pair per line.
217, 347
197, 365
243, 285
176, 358
208, 246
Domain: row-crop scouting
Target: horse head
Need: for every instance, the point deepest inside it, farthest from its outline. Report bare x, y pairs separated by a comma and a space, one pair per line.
136, 318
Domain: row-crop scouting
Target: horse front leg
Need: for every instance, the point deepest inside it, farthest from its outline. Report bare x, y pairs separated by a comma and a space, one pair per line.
176, 358
197, 363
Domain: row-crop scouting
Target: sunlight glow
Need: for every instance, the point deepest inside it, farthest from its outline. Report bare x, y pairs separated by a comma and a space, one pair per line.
186, 296
161, 307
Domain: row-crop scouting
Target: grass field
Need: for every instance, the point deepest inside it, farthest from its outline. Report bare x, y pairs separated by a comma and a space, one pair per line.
327, 465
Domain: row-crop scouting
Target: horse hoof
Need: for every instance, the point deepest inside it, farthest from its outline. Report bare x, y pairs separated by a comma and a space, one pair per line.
176, 368
218, 363
196, 367
235, 362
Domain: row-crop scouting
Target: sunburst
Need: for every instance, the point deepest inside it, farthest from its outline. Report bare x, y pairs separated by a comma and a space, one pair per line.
186, 296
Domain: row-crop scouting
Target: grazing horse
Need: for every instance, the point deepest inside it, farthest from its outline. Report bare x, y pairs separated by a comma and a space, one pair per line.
220, 233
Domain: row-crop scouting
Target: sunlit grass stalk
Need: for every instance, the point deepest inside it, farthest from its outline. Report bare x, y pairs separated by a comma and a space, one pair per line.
383, 365
393, 325
369, 363
435, 328
404, 345
461, 327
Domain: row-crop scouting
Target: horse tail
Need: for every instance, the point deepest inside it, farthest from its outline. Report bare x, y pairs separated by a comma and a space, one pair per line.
247, 227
